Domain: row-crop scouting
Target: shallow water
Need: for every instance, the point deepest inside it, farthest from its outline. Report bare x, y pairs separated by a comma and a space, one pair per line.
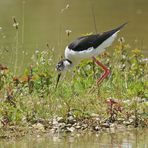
132, 138
42, 22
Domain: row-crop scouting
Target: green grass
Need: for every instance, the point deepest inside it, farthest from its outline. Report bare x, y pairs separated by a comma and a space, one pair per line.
32, 96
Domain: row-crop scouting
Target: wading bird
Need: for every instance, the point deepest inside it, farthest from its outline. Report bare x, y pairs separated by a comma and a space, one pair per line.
86, 47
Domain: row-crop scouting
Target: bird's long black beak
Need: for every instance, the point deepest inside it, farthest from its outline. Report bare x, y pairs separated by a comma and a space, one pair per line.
58, 78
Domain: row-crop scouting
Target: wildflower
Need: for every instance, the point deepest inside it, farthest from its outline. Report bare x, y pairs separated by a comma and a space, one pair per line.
121, 40
68, 32
67, 6
37, 51
145, 59
88, 67
53, 49
136, 51
50, 59
15, 24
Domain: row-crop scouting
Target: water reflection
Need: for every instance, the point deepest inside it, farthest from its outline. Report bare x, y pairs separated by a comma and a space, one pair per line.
135, 138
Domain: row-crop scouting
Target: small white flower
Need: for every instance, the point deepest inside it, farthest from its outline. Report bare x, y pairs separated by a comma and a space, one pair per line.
15, 24
50, 59
121, 40
67, 6
52, 49
68, 32
37, 51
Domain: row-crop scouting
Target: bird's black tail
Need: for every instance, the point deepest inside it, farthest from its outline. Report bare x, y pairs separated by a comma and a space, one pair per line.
120, 27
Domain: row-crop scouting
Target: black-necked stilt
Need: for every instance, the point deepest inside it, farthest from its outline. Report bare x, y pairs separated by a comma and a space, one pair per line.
85, 47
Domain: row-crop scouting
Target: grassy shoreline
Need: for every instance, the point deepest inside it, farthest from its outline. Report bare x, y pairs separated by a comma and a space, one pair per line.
31, 98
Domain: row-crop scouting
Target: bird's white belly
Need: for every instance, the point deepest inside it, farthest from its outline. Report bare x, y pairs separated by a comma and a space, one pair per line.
71, 54
76, 56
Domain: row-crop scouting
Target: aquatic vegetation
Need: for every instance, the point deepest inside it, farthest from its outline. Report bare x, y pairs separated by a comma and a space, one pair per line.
32, 97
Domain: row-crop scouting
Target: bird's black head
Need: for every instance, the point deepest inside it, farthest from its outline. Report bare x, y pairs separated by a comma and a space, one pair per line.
63, 65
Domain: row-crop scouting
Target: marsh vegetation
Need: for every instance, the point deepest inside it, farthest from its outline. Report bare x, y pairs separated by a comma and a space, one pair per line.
29, 102
32, 98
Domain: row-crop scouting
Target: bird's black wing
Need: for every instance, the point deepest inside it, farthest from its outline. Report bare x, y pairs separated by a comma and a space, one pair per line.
85, 42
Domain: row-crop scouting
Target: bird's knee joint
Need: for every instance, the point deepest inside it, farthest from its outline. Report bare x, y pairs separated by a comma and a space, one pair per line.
108, 71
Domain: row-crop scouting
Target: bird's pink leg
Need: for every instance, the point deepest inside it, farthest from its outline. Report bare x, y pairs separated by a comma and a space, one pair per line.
106, 70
